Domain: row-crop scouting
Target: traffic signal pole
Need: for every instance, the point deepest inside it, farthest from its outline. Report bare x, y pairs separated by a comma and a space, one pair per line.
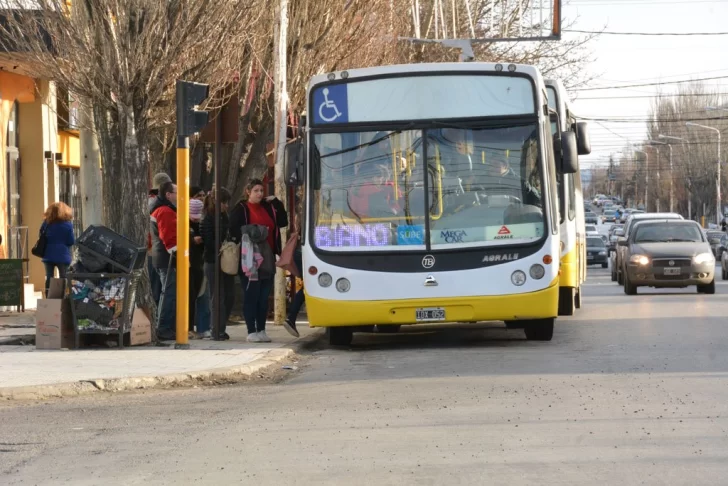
189, 120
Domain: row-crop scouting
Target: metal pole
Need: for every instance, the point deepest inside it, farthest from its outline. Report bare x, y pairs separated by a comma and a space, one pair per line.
183, 241
672, 180
216, 280
718, 204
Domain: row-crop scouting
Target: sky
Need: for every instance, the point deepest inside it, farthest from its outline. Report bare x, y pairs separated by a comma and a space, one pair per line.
621, 60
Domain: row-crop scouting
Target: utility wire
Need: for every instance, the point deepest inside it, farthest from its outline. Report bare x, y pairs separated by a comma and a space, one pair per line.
651, 84
606, 32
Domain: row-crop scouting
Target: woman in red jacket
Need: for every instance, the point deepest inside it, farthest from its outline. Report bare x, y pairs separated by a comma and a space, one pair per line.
269, 212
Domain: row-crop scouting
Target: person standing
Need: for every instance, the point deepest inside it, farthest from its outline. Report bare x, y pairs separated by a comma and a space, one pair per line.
154, 281
199, 304
212, 252
269, 212
58, 230
163, 221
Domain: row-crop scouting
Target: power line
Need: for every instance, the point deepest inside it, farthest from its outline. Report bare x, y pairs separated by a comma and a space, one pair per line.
646, 33
647, 96
651, 84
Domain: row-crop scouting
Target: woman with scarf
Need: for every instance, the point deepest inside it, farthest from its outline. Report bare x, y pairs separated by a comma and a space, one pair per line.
255, 222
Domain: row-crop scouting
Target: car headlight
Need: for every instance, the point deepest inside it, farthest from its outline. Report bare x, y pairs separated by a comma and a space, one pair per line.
704, 258
639, 259
602, 252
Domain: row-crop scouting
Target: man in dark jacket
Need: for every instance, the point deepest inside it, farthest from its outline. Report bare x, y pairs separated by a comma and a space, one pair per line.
154, 281
163, 221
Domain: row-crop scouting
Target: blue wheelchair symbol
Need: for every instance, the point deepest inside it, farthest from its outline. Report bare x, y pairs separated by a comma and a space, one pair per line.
331, 105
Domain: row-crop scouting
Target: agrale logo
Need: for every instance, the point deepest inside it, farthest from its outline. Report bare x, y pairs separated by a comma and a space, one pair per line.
501, 257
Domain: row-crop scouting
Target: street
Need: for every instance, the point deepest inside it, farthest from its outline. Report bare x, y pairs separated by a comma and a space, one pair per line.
630, 390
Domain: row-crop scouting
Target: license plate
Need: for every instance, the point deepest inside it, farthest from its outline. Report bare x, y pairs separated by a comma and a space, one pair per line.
672, 271
590, 257
430, 314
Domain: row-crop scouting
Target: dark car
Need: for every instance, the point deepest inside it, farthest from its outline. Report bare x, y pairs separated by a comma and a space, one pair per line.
591, 218
714, 237
596, 252
667, 253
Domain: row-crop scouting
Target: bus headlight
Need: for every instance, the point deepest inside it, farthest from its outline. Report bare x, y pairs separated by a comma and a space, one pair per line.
518, 278
537, 271
325, 280
343, 285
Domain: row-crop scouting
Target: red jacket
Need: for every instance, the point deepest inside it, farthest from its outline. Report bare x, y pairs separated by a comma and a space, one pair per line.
167, 226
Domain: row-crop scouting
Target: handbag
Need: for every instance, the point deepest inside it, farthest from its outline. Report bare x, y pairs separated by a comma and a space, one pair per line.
230, 257
287, 259
39, 248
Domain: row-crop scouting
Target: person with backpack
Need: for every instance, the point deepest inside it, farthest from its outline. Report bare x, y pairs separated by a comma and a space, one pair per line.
255, 223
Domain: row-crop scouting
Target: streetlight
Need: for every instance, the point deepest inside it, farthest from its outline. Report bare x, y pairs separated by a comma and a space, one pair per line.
718, 204
672, 175
647, 173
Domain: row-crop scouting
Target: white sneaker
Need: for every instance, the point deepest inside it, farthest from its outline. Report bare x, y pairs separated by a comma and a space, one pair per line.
206, 335
254, 337
263, 337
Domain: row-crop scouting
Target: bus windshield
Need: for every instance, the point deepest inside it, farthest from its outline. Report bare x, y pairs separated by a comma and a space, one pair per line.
378, 190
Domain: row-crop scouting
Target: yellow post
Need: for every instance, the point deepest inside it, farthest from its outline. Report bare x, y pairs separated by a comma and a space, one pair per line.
183, 242
702, 221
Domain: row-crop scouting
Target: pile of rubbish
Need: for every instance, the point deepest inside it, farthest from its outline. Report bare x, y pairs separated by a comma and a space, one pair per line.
99, 304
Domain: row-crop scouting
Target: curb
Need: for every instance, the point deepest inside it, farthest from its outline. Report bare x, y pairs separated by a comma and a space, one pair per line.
228, 375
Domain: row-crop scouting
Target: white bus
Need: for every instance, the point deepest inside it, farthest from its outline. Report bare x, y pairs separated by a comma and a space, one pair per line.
430, 197
574, 259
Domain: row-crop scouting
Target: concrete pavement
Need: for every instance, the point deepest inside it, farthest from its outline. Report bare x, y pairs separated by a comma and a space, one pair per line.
632, 390
27, 373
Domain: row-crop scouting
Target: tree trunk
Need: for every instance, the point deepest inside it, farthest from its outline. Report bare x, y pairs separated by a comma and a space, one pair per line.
91, 181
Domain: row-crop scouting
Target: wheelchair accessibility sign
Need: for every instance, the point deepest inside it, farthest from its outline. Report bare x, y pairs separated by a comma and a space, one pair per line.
330, 105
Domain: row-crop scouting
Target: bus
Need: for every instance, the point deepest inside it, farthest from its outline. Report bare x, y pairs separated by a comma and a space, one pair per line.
429, 197
571, 204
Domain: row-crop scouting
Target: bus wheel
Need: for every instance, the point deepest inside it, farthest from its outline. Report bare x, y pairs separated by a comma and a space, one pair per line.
566, 301
577, 299
540, 329
339, 336
390, 329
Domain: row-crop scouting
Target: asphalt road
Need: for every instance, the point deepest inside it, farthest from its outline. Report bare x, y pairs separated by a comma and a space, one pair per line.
632, 390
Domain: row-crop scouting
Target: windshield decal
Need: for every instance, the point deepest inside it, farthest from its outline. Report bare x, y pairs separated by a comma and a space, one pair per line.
514, 231
331, 104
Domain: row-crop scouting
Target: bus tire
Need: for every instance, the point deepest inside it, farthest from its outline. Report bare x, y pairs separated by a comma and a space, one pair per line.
340, 336
388, 329
566, 301
540, 329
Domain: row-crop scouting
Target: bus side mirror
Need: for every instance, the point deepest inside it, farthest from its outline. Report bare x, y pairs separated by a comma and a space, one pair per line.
294, 163
583, 144
569, 157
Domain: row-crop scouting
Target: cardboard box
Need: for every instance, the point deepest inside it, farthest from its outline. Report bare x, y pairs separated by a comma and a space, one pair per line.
54, 324
141, 329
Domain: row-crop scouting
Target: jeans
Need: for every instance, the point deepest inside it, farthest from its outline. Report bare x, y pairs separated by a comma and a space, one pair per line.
167, 317
296, 305
227, 294
203, 319
199, 306
255, 302
50, 269
154, 281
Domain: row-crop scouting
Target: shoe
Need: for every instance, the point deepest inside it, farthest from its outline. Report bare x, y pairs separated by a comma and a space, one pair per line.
254, 337
206, 335
291, 328
263, 337
225, 336
193, 335
166, 336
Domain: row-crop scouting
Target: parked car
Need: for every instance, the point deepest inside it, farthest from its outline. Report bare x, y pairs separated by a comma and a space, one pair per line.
714, 237
618, 266
596, 252
591, 218
667, 253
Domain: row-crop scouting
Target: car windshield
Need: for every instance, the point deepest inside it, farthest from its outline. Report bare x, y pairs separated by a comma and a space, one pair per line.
715, 235
590, 215
667, 233
609, 212
590, 227
478, 187
595, 243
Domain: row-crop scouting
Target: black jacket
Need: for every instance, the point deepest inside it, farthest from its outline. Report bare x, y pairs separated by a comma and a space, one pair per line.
196, 251
207, 230
240, 216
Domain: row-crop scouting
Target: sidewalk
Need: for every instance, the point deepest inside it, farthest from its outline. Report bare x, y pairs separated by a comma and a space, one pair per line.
17, 327
27, 373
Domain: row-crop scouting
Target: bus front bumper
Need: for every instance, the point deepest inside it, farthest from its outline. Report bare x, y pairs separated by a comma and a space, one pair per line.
541, 304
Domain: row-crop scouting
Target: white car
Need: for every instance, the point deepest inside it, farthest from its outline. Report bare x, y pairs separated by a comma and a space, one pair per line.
591, 230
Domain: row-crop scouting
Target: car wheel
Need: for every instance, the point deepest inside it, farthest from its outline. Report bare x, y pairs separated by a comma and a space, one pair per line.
629, 288
577, 298
725, 275
707, 289
540, 329
566, 301
620, 278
